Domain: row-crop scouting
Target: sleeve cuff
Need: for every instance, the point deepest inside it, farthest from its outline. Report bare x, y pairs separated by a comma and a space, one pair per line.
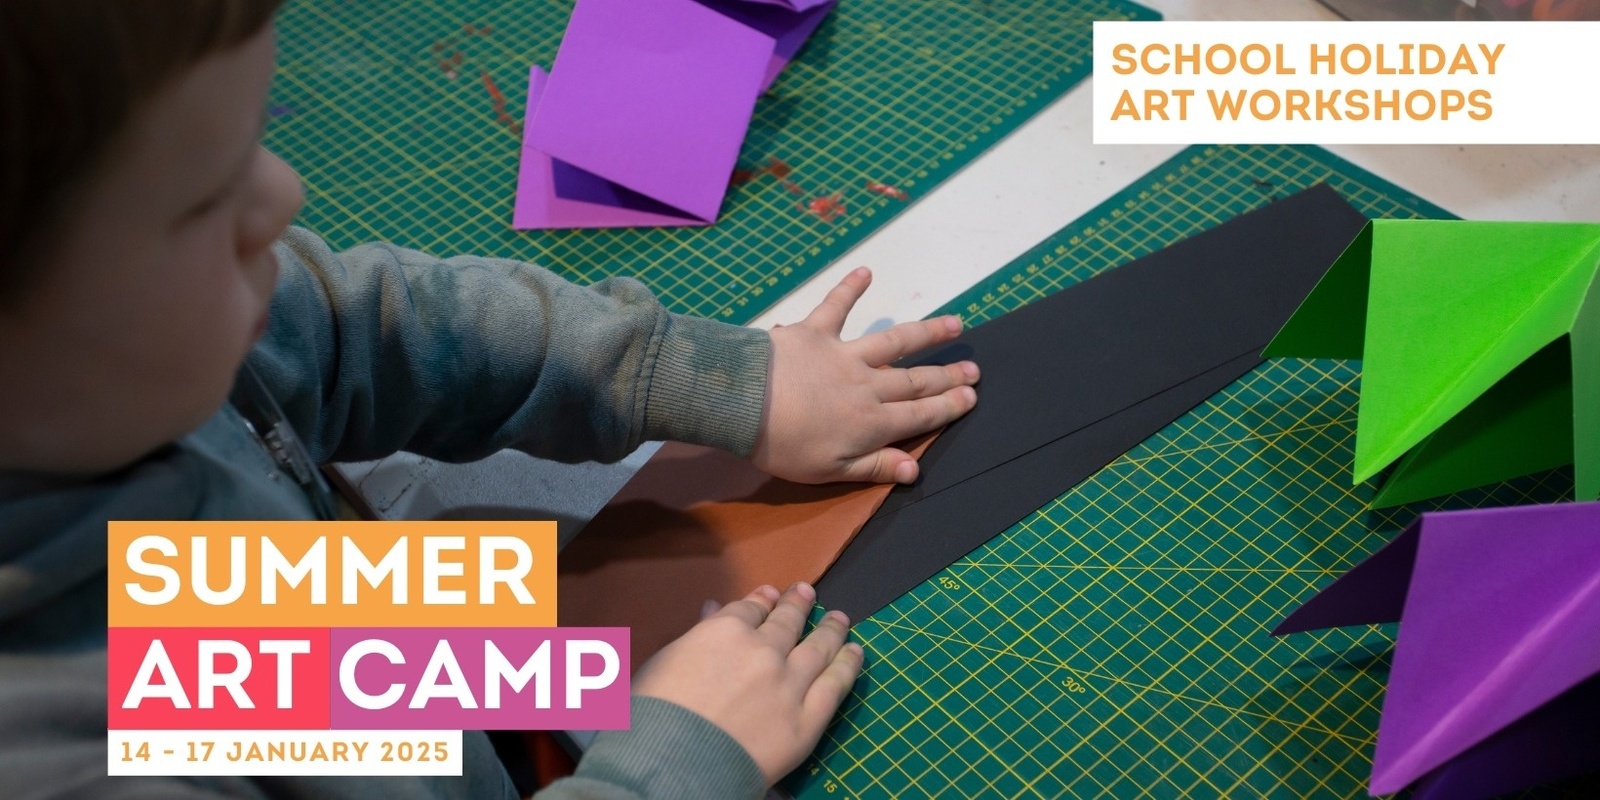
670, 752
708, 385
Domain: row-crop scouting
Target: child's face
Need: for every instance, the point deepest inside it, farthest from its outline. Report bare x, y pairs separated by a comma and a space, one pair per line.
161, 280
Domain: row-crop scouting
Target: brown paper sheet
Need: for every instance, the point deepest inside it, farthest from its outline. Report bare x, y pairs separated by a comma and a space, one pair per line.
699, 524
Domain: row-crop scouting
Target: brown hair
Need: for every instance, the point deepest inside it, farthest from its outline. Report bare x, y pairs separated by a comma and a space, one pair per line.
72, 73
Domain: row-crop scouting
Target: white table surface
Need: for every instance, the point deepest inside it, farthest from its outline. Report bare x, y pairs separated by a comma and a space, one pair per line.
1043, 176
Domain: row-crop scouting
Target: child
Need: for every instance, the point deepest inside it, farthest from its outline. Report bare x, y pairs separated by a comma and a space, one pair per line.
145, 255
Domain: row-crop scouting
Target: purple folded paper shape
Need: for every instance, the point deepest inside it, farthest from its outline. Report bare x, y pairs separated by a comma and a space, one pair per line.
1558, 740
789, 26
1492, 686
552, 193
555, 194
794, 5
654, 96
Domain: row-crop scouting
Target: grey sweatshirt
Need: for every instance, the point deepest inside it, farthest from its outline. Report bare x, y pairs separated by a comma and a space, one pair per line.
370, 351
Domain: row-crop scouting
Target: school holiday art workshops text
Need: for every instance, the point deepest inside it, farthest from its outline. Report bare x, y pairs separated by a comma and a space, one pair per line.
1359, 103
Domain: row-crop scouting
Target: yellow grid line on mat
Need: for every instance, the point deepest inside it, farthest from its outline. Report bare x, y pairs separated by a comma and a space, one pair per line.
902, 92
1114, 643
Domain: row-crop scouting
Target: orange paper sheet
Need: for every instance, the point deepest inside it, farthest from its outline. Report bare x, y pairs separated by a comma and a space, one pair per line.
699, 524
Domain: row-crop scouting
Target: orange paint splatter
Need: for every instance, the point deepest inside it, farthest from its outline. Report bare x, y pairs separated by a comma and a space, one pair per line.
494, 91
887, 191
775, 167
447, 63
499, 101
827, 208
448, 53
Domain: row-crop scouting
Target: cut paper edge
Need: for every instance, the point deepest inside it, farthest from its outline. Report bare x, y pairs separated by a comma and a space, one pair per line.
1370, 593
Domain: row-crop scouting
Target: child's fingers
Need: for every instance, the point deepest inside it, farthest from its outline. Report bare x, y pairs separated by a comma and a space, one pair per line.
915, 417
709, 608
904, 339
917, 382
830, 314
814, 654
753, 608
783, 626
832, 687
886, 465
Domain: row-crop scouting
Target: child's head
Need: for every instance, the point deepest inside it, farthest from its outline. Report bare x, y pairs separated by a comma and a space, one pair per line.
136, 214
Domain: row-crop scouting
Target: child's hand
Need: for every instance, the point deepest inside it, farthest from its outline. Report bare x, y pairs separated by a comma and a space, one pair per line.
833, 406
742, 669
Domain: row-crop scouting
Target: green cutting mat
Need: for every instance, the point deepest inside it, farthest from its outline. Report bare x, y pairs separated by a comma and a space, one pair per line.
899, 92
1115, 642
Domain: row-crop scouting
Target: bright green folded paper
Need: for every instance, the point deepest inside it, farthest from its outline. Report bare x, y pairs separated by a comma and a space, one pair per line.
1480, 350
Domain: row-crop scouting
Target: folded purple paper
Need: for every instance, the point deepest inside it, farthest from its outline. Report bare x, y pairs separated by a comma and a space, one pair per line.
794, 5
790, 25
554, 194
641, 119
1498, 651
653, 95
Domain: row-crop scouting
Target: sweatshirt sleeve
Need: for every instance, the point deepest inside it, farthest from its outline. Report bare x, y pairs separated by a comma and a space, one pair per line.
667, 753
379, 348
